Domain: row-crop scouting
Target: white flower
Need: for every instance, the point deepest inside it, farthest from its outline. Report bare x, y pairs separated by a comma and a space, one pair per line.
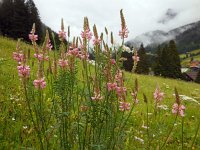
139, 139
164, 107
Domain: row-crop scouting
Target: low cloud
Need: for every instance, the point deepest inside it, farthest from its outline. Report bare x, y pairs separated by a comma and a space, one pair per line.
141, 16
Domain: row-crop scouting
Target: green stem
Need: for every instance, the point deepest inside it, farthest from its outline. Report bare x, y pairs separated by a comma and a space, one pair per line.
169, 132
195, 134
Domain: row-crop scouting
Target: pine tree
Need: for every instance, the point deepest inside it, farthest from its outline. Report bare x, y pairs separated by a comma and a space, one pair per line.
174, 61
20, 20
168, 62
157, 65
142, 66
6, 17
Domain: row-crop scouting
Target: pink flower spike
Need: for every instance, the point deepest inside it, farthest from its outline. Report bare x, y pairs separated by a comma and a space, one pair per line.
86, 34
121, 91
33, 37
97, 97
63, 63
73, 52
18, 56
62, 35
23, 71
123, 106
49, 46
136, 58
96, 41
178, 109
111, 86
113, 62
158, 95
39, 83
124, 33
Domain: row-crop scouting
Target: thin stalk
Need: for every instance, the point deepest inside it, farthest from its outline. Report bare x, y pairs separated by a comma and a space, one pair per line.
195, 134
169, 132
182, 131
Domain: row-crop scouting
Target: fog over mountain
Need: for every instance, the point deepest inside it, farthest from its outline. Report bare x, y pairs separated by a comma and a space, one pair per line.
187, 37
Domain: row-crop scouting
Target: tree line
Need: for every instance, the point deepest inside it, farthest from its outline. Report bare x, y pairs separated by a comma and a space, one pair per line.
166, 62
17, 18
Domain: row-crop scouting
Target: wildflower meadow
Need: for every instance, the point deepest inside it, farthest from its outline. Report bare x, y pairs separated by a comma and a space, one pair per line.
63, 101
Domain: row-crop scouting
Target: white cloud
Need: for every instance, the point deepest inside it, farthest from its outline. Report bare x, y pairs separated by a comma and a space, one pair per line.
141, 15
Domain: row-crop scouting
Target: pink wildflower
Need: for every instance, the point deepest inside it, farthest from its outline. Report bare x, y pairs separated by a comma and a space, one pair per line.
134, 95
178, 109
119, 75
136, 58
33, 37
158, 95
124, 33
40, 57
62, 35
86, 34
63, 63
48, 45
111, 86
23, 71
96, 41
18, 56
73, 52
113, 62
84, 56
121, 91
97, 96
123, 106
39, 83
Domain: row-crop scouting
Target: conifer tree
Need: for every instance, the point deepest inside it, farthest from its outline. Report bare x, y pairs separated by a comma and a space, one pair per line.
142, 66
157, 65
174, 61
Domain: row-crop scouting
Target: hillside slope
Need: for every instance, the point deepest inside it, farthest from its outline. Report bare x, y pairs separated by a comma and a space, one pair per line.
9, 77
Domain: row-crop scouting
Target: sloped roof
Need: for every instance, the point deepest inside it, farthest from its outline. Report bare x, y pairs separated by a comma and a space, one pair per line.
192, 74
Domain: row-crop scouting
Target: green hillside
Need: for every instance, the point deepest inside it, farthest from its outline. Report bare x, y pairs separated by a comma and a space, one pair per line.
190, 92
186, 58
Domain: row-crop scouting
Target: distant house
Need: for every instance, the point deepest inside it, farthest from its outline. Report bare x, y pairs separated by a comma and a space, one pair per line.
191, 74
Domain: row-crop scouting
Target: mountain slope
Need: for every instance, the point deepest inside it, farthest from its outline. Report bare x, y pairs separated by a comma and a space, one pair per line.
187, 38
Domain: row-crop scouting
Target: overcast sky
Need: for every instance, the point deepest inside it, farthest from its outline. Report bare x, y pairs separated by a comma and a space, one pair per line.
141, 15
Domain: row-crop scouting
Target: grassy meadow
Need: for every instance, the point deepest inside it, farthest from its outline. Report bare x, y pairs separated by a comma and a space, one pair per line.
17, 131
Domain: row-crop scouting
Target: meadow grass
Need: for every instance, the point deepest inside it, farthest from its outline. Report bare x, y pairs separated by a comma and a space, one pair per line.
10, 92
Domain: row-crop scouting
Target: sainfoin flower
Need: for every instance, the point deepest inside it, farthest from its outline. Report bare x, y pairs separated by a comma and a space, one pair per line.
63, 63
73, 52
62, 35
134, 95
39, 83
48, 45
40, 57
18, 56
136, 58
96, 41
121, 91
111, 86
124, 33
123, 106
158, 95
113, 62
33, 37
97, 96
86, 34
178, 109
23, 71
